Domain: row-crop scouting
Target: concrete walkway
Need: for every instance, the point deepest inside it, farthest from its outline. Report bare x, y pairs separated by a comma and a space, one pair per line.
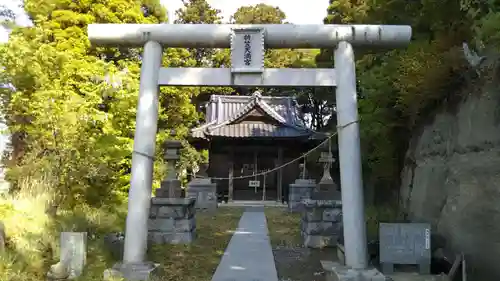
248, 256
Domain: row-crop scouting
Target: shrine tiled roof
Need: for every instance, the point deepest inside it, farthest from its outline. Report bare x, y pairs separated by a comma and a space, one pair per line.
223, 113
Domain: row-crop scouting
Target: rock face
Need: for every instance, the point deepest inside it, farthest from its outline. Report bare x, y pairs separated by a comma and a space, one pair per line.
452, 180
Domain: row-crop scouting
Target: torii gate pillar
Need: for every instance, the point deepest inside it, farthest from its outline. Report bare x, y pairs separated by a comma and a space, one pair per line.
247, 45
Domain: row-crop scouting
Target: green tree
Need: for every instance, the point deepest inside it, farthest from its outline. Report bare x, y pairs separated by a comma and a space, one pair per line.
200, 12
258, 14
71, 107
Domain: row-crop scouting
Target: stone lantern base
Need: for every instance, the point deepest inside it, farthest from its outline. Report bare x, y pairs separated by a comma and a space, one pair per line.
171, 221
321, 223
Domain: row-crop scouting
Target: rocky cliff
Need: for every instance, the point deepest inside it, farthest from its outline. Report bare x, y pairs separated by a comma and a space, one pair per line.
452, 179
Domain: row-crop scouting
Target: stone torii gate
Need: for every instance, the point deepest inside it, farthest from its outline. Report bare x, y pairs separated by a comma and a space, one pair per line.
247, 43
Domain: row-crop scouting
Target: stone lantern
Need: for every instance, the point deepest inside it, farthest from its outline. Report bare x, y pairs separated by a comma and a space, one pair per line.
171, 186
326, 188
171, 218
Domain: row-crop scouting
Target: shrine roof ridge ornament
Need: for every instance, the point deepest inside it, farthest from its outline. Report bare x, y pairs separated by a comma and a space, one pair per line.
275, 35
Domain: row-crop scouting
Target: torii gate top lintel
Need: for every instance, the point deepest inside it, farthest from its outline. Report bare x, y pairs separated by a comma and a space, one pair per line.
274, 35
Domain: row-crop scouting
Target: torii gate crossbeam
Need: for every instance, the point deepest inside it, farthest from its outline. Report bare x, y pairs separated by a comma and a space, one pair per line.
247, 43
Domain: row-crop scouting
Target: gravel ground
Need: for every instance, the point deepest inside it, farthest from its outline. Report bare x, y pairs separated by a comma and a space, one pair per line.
301, 264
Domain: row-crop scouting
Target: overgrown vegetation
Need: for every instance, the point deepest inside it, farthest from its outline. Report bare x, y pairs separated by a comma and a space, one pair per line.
33, 235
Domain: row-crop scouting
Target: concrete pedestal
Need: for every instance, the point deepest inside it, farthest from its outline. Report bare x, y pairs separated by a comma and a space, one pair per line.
133, 272
299, 190
170, 188
172, 221
321, 223
205, 193
337, 272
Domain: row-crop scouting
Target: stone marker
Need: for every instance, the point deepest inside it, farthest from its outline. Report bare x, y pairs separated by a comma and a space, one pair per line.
405, 243
171, 186
203, 190
321, 223
299, 190
73, 256
172, 221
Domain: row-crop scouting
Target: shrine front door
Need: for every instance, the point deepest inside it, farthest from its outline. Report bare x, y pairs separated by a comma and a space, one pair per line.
258, 184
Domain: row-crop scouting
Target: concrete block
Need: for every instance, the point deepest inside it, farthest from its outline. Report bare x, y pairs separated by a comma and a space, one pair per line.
133, 272
319, 241
337, 272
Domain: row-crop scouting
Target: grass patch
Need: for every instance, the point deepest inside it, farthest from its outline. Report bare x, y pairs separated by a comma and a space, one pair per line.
33, 238
198, 261
283, 226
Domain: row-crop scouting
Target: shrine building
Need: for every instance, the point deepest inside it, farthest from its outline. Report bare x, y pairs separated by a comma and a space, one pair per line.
246, 135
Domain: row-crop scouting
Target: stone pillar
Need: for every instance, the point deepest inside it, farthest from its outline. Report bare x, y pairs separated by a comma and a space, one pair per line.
321, 223
171, 186
203, 190
299, 190
171, 221
141, 177
351, 176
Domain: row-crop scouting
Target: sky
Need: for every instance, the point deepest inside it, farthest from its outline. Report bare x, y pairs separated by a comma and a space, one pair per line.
298, 12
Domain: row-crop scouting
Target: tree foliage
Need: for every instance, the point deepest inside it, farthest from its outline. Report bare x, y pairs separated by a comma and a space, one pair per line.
258, 14
200, 12
399, 89
71, 106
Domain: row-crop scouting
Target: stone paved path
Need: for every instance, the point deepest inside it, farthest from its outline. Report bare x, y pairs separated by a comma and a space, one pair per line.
249, 255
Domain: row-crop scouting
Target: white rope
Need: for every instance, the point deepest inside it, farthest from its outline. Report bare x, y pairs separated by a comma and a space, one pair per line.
290, 162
